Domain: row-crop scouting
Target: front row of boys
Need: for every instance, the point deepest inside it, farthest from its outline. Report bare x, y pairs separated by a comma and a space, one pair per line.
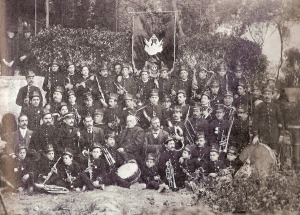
94, 170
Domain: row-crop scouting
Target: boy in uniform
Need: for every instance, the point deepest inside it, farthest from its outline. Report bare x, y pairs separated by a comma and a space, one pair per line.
145, 85
187, 166
74, 107
200, 152
112, 114
242, 97
98, 120
216, 96
184, 83
165, 83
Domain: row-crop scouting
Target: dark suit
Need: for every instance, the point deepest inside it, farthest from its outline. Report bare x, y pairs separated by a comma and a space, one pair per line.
154, 145
88, 139
132, 139
43, 136
15, 140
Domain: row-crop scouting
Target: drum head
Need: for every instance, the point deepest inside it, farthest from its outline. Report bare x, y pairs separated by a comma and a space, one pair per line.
261, 157
127, 170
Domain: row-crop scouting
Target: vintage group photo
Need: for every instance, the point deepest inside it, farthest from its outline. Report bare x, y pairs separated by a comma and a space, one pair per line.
149, 107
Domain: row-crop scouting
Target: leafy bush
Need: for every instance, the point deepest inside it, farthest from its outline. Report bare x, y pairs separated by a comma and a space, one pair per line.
276, 192
88, 46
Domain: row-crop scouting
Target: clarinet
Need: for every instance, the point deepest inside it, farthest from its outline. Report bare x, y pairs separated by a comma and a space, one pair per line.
90, 170
51, 171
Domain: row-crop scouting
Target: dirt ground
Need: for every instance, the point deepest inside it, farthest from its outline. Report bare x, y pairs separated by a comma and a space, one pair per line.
112, 200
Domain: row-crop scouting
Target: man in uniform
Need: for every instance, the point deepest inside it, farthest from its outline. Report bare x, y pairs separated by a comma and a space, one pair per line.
267, 121
25, 92
44, 134
184, 83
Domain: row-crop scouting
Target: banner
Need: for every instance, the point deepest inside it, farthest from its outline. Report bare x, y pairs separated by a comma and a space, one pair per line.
153, 39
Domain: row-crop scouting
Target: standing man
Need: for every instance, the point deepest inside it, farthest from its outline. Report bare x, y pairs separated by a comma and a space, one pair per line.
267, 121
26, 91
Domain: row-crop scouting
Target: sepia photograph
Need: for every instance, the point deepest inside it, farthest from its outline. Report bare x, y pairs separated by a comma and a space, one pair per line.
143, 107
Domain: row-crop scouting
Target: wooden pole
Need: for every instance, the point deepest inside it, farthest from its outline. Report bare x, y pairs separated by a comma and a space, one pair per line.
117, 15
47, 13
35, 17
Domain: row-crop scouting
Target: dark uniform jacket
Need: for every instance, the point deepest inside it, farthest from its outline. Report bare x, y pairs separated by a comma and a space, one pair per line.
129, 84
148, 174
34, 115
144, 89
234, 165
266, 118
68, 138
88, 139
184, 85
43, 168
42, 136
240, 136
73, 170
23, 93
99, 168
216, 129
215, 166
107, 85
151, 111
54, 79
200, 155
164, 87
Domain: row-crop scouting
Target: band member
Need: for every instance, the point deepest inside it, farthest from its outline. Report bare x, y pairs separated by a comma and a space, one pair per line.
224, 78
34, 111
170, 157
182, 102
216, 96
184, 83
126, 83
106, 81
117, 71
96, 168
71, 175
187, 164
256, 97
116, 159
57, 99
44, 134
71, 78
205, 108
131, 109
74, 107
131, 140
46, 168
218, 128
113, 114
167, 110
62, 111
153, 109
165, 83
197, 122
204, 79
242, 97
215, 164
240, 134
54, 78
228, 105
90, 105
98, 120
24, 93
267, 121
238, 76
232, 162
155, 137
150, 175
200, 152
145, 85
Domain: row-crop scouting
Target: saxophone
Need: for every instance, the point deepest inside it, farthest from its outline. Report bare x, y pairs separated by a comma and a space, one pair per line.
170, 175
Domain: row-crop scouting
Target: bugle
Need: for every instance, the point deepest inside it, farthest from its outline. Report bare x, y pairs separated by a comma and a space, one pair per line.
109, 158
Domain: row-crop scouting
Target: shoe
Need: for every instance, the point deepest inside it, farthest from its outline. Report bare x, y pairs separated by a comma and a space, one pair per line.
83, 188
102, 187
161, 188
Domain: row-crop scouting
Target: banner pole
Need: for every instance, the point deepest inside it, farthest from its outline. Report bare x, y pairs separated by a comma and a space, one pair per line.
175, 23
132, 42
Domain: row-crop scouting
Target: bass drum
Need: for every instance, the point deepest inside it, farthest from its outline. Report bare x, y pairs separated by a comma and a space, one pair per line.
129, 172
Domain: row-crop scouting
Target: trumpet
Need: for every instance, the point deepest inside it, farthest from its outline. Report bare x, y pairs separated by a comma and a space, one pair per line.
109, 158
225, 138
170, 175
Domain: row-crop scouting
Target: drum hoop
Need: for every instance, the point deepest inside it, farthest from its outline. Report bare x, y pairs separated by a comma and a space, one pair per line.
134, 177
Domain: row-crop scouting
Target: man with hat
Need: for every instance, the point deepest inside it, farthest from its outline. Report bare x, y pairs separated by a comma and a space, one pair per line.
68, 135
197, 122
215, 164
175, 125
90, 105
182, 103
54, 78
98, 120
34, 111
242, 96
205, 107
74, 107
130, 109
71, 77
232, 162
267, 121
200, 152
167, 110
203, 78
216, 97
126, 83
10, 56
228, 105
237, 77
184, 82
106, 81
153, 109
44, 134
145, 85
240, 135
165, 83
25, 92
47, 165
113, 114
218, 127
56, 101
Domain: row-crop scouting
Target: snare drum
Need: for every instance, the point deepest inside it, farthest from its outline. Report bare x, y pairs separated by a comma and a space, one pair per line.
129, 172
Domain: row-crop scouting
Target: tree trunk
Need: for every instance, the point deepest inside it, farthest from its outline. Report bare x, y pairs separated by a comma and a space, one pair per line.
280, 31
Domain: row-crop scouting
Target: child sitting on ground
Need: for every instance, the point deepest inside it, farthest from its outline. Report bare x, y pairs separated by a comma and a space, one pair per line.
188, 167
150, 175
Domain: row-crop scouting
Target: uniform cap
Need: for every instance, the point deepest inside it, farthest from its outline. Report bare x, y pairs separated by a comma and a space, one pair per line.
214, 148
68, 151
96, 146
49, 147
145, 70
46, 112
228, 93
200, 135
98, 112
54, 62
232, 150
126, 65
59, 89
268, 89
177, 109
34, 94
256, 87
151, 156
113, 96
104, 67
169, 139
128, 96
181, 92
68, 115
166, 98
70, 63
30, 73
242, 107
188, 148
196, 107
110, 134
71, 92
154, 92
206, 93
164, 67
241, 83
214, 83
183, 67
219, 107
